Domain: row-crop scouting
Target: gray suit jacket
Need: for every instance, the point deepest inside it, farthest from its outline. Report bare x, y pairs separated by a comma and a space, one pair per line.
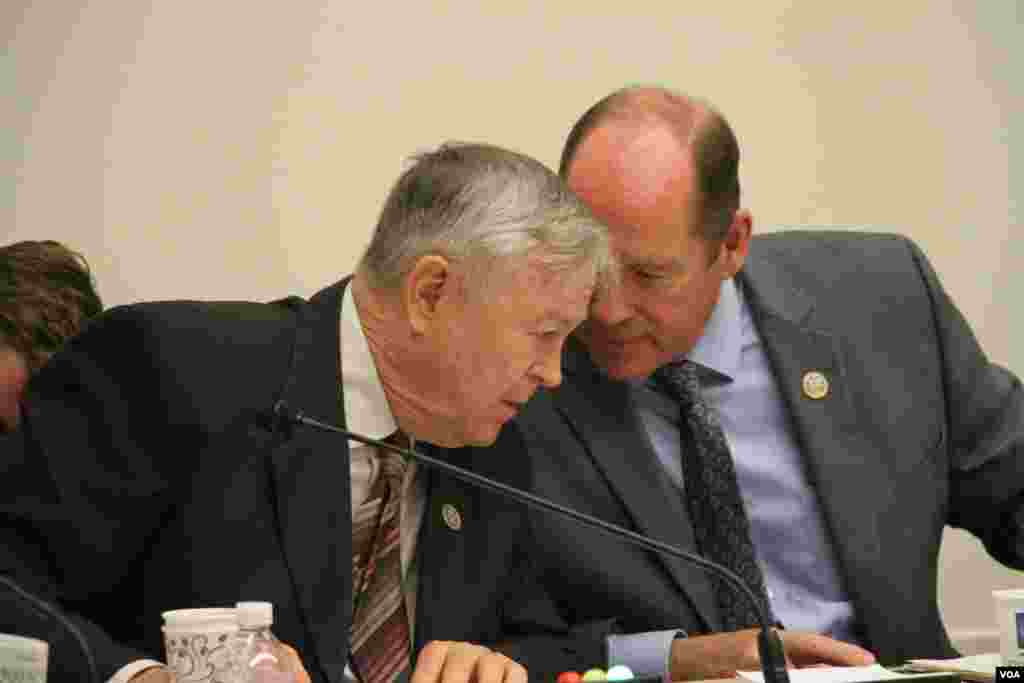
918, 431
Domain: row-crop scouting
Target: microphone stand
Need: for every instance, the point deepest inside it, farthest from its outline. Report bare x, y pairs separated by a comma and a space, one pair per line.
773, 660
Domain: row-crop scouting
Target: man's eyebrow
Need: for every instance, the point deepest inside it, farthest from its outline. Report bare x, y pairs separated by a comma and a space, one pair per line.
655, 263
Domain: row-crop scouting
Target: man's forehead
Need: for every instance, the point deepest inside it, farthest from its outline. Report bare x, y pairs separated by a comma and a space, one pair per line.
534, 272
637, 154
568, 310
634, 178
558, 287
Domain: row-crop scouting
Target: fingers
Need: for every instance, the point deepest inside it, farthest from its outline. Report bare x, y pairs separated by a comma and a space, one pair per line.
495, 667
453, 662
154, 675
721, 655
430, 662
806, 649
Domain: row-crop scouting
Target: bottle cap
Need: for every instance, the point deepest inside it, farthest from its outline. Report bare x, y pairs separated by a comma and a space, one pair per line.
254, 614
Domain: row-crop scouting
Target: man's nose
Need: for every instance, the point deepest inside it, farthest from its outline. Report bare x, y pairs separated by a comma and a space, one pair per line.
610, 306
549, 369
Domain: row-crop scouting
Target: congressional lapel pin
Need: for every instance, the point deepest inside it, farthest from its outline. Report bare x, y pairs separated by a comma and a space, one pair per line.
450, 515
815, 385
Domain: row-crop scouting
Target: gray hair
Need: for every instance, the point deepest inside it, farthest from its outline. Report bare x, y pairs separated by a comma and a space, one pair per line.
481, 204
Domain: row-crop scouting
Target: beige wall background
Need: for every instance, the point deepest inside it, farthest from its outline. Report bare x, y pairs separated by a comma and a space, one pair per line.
233, 149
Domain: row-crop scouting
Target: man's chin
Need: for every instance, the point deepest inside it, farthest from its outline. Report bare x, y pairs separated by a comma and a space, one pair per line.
484, 433
623, 373
622, 367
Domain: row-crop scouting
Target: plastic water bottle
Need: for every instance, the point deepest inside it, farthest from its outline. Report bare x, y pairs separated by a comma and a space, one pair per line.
258, 655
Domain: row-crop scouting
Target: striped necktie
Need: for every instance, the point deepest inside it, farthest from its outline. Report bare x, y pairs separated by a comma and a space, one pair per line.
379, 634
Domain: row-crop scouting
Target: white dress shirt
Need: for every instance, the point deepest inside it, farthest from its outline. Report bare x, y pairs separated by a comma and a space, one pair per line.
367, 412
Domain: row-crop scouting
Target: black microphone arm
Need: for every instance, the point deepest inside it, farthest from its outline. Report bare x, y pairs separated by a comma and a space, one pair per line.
41, 605
773, 660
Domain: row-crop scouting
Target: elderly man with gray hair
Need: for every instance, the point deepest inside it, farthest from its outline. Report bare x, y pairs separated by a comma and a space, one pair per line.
150, 457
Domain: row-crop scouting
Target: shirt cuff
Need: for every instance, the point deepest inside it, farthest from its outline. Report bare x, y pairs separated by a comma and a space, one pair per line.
124, 674
646, 654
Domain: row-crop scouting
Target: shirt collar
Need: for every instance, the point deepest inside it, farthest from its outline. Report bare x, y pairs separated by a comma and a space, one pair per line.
366, 406
720, 347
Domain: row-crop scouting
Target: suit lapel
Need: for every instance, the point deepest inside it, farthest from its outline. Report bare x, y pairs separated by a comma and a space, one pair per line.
445, 568
312, 484
602, 413
840, 463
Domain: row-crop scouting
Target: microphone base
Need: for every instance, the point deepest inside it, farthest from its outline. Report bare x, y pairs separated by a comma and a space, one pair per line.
773, 657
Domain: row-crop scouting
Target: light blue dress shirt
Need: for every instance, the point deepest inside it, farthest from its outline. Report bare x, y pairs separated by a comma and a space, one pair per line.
787, 526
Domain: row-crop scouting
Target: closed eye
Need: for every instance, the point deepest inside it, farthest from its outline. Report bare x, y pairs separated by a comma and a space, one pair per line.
649, 275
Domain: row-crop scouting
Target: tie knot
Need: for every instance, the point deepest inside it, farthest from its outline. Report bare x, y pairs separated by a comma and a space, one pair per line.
392, 465
679, 380
397, 438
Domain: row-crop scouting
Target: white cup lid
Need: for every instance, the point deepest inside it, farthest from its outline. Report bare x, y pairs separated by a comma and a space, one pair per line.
255, 614
37, 648
199, 616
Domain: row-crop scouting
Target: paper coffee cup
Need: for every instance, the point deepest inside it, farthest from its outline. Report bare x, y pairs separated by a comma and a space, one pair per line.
23, 659
198, 643
1010, 618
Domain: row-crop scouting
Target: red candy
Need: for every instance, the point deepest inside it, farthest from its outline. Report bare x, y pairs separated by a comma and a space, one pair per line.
569, 677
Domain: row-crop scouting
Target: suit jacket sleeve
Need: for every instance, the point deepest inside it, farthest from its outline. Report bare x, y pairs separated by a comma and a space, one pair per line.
76, 454
538, 630
985, 439
537, 635
111, 431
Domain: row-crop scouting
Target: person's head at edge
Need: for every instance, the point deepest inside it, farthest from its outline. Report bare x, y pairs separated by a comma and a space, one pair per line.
481, 264
46, 294
660, 170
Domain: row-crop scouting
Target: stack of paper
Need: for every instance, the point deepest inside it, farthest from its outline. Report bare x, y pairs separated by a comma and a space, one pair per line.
980, 668
839, 674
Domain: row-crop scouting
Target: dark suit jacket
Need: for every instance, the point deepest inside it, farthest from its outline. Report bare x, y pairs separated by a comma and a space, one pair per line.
918, 431
149, 475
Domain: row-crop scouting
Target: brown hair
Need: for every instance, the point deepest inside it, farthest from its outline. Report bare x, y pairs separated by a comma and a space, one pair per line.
46, 294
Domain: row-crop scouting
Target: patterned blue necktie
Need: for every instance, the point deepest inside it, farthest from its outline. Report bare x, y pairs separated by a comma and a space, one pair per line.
720, 523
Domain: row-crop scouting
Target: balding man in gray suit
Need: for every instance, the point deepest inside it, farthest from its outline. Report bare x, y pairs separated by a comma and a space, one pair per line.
860, 413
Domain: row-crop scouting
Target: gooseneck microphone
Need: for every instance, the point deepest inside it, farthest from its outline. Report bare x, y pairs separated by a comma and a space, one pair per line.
773, 660
39, 605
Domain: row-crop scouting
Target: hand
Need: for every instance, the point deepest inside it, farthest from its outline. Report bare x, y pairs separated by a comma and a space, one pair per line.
159, 674
155, 674
443, 661
721, 655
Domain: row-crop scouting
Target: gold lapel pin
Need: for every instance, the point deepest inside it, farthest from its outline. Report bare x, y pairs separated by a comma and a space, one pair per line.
815, 384
450, 515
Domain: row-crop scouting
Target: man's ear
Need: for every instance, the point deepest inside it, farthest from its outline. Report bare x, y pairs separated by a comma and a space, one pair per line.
423, 289
736, 242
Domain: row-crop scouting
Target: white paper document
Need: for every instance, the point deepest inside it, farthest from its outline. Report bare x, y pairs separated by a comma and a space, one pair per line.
975, 667
834, 674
